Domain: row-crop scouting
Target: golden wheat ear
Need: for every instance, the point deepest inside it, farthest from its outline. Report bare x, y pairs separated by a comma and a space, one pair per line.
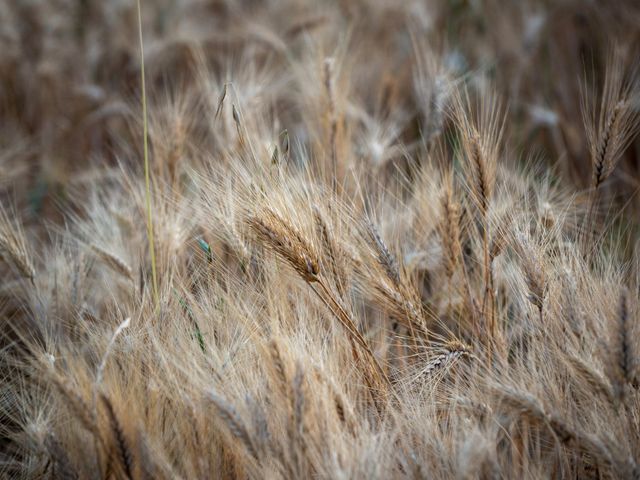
233, 421
612, 123
147, 173
121, 456
285, 240
449, 226
480, 125
333, 255
623, 363
14, 249
452, 352
534, 271
530, 409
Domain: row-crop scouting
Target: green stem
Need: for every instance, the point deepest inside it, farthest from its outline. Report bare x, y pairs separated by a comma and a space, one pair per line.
147, 178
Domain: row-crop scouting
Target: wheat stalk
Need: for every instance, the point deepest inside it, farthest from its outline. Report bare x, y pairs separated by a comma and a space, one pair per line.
103, 362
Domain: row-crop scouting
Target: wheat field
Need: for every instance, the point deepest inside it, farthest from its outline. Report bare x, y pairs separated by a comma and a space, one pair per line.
336, 239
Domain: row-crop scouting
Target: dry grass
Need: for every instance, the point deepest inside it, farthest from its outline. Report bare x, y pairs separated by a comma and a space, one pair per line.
361, 239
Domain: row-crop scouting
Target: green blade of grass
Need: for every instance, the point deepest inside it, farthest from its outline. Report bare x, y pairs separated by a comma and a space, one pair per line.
147, 177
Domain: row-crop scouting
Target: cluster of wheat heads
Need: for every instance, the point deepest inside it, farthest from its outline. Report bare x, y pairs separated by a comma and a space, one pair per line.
366, 264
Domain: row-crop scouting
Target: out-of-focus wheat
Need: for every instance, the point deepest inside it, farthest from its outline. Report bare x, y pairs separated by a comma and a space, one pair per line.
360, 264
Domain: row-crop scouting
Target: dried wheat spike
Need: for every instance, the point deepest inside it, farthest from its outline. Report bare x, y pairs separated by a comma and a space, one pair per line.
286, 241
233, 421
449, 227
529, 407
84, 413
279, 366
332, 252
534, 272
123, 453
13, 245
591, 376
623, 361
611, 125
385, 258
480, 134
114, 262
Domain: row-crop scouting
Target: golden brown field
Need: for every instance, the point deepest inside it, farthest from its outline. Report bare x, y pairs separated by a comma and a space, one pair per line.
335, 239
